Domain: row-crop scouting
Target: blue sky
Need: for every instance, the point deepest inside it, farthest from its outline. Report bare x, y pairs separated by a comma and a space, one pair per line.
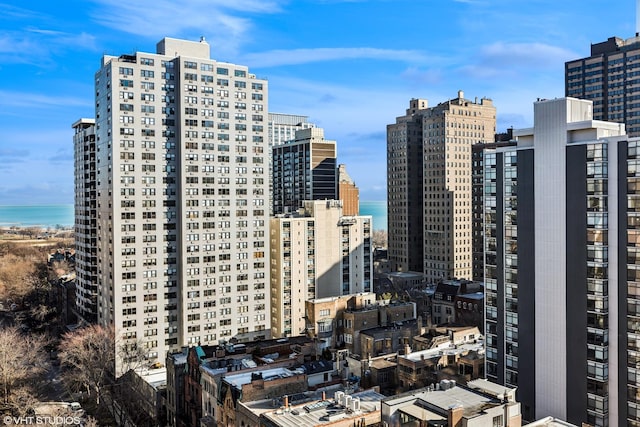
350, 65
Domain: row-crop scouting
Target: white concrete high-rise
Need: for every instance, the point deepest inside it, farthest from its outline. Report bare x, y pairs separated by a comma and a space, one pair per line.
562, 266
181, 198
283, 127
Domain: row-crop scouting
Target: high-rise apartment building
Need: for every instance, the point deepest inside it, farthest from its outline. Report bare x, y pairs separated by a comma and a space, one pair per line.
444, 136
85, 213
181, 198
477, 189
562, 271
609, 78
283, 127
304, 168
316, 253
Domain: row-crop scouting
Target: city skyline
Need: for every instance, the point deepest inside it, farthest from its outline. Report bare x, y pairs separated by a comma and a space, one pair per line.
349, 75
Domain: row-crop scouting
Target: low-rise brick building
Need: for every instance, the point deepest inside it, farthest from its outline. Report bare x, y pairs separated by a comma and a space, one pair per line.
446, 359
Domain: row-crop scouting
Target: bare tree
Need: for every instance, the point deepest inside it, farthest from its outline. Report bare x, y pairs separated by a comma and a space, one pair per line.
16, 277
89, 355
379, 238
22, 361
59, 269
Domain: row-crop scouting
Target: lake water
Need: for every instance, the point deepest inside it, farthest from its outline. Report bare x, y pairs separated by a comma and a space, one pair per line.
41, 216
62, 215
378, 210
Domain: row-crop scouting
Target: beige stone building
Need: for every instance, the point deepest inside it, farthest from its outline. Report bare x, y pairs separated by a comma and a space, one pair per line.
442, 137
181, 200
316, 253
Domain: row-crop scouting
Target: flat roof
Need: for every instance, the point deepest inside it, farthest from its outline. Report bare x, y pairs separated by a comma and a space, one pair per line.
475, 295
241, 379
405, 274
472, 401
550, 422
488, 386
156, 378
446, 348
383, 363
297, 416
421, 413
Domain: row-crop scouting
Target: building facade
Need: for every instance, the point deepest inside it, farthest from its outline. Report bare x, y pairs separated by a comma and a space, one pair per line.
304, 168
445, 135
181, 198
609, 78
85, 213
348, 192
404, 189
316, 253
283, 127
560, 269
325, 317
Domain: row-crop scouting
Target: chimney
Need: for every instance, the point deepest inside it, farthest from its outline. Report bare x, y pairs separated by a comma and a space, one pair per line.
324, 396
286, 402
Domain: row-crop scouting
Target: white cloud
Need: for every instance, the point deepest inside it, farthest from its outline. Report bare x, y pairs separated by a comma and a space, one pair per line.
418, 76
218, 20
280, 57
38, 47
537, 55
17, 12
38, 100
505, 63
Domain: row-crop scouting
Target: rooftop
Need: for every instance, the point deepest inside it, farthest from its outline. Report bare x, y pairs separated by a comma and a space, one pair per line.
446, 348
550, 422
406, 274
156, 378
327, 411
439, 401
383, 363
243, 378
475, 295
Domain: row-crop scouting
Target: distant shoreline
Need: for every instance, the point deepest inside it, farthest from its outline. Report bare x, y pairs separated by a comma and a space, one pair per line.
62, 216
43, 216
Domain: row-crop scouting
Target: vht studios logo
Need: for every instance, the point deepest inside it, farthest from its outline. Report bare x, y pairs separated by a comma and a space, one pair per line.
8, 420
